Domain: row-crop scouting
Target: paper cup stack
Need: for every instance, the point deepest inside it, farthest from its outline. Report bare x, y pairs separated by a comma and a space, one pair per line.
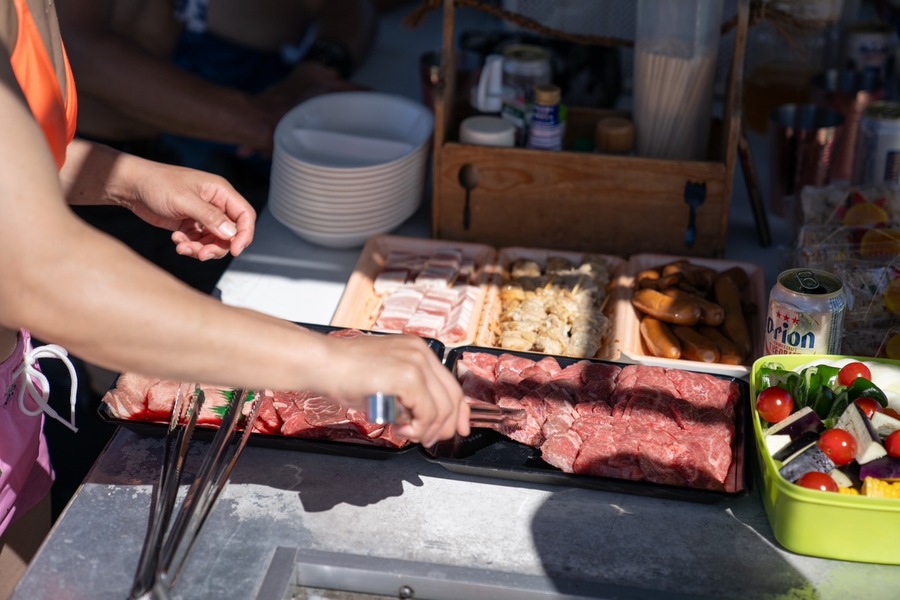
349, 165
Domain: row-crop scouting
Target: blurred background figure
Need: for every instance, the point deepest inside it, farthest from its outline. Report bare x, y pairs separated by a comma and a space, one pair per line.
204, 82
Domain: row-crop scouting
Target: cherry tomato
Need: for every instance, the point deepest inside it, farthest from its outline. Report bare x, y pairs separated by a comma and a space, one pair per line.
815, 480
774, 404
869, 406
849, 372
838, 445
892, 443
891, 412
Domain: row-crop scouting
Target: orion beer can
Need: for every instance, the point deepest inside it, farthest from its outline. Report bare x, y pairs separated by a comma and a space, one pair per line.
877, 160
806, 313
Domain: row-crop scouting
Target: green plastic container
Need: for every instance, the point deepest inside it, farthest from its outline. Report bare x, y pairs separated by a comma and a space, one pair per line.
823, 524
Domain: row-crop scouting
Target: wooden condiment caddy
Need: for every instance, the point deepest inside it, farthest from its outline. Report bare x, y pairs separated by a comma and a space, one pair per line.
581, 201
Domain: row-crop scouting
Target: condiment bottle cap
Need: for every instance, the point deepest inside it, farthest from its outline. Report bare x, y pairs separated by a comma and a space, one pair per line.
483, 130
547, 94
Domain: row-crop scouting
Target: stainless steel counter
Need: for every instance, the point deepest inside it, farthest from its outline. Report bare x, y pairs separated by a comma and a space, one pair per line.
374, 526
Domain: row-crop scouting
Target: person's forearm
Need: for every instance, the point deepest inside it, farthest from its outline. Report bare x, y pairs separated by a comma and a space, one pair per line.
155, 92
72, 285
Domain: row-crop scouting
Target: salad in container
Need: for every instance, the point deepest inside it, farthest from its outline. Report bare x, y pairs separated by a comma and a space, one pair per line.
828, 441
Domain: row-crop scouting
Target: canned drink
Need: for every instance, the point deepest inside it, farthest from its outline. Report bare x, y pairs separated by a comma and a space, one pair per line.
806, 313
877, 160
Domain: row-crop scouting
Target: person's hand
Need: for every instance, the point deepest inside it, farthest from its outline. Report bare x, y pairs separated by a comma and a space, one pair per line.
207, 216
403, 366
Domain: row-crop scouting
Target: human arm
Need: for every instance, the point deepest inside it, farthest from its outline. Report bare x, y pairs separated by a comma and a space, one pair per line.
72, 285
140, 86
207, 216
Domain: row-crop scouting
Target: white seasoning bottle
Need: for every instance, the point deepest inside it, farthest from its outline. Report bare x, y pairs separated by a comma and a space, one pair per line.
546, 129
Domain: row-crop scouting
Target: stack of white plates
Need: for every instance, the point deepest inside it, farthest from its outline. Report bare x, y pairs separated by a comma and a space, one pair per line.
349, 165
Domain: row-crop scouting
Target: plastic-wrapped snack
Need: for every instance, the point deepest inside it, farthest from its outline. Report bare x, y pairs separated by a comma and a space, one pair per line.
872, 289
820, 246
872, 341
848, 205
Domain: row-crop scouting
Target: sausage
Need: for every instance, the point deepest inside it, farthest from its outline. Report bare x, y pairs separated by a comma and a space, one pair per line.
697, 276
678, 311
659, 339
695, 346
710, 312
646, 274
734, 326
728, 354
738, 275
667, 281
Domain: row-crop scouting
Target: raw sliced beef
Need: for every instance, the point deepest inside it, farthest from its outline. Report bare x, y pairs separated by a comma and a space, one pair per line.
634, 422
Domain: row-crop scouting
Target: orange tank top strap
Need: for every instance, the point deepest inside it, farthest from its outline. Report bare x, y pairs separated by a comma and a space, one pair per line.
37, 77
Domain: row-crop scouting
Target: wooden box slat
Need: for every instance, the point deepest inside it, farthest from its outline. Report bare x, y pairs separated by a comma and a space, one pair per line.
582, 201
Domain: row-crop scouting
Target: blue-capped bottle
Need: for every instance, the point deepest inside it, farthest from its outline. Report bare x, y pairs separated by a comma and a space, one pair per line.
545, 132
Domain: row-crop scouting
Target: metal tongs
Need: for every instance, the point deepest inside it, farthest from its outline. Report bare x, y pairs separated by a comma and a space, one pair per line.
385, 409
488, 415
165, 549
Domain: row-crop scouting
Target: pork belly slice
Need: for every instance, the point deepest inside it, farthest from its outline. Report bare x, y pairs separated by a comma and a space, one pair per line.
445, 257
392, 320
128, 399
424, 325
457, 326
436, 276
387, 281
434, 305
405, 295
467, 270
398, 259
161, 399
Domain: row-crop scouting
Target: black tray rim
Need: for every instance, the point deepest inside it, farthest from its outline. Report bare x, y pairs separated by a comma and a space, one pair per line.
350, 448
742, 447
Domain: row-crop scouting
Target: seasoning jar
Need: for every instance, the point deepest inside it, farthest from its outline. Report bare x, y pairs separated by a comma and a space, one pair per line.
525, 66
546, 129
614, 135
487, 130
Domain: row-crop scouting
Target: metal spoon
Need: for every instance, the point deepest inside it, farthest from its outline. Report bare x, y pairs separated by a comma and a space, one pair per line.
468, 178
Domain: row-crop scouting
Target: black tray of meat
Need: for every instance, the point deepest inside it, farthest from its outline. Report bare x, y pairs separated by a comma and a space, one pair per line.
635, 429
289, 420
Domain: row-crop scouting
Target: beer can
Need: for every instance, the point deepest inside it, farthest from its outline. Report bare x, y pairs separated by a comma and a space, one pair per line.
877, 159
806, 313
